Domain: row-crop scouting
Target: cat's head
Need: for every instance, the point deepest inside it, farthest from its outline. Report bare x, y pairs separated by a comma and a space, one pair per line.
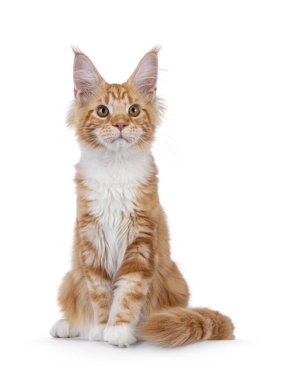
115, 117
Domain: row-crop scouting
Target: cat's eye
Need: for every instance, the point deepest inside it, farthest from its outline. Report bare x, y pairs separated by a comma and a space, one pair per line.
102, 111
134, 110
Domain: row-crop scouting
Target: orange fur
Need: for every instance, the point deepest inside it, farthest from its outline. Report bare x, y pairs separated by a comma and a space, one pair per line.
146, 292
179, 326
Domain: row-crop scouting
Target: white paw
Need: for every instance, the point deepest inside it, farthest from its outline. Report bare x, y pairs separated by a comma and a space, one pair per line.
62, 329
122, 335
96, 332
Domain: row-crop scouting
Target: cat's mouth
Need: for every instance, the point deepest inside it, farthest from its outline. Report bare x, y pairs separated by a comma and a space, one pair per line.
120, 138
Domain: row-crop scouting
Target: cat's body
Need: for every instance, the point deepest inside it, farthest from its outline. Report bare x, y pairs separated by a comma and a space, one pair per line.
123, 284
111, 192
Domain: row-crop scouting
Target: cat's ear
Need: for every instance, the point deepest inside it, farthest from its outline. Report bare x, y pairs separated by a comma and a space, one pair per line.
85, 76
144, 78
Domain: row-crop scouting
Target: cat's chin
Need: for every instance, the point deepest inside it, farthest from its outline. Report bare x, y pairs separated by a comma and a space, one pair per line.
118, 145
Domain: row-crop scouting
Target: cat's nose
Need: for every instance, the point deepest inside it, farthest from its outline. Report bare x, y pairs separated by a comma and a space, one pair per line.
120, 125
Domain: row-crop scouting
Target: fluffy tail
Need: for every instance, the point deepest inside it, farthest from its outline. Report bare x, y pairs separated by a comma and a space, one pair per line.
178, 326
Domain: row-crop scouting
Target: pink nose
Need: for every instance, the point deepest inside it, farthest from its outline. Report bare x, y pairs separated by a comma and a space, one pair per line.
120, 125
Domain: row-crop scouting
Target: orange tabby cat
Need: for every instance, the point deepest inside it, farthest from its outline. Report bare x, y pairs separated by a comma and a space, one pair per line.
123, 285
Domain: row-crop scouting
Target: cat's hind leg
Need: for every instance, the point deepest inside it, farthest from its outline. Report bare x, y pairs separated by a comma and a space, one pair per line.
75, 304
62, 329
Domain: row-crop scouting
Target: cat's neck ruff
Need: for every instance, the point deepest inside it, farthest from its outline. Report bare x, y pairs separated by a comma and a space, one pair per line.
131, 167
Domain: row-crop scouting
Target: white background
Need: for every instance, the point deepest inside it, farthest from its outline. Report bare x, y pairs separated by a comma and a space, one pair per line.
221, 156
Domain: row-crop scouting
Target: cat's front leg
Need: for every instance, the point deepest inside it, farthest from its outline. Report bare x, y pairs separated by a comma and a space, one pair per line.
130, 290
100, 290
99, 287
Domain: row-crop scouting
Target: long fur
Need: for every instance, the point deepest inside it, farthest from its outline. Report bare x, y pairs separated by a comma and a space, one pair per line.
180, 326
123, 285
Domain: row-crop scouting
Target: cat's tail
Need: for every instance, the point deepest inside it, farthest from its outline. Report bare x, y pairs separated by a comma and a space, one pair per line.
179, 326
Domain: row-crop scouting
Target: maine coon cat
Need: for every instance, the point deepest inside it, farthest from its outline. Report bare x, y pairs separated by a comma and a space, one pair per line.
123, 285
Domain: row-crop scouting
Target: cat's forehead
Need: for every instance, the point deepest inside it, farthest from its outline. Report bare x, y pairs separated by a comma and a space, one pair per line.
118, 93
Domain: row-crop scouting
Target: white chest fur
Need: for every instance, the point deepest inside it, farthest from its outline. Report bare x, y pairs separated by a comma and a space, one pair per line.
113, 180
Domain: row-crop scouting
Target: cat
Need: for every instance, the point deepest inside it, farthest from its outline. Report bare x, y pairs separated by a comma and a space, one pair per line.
123, 285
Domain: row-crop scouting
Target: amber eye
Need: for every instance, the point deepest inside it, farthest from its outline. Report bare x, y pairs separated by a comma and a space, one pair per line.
134, 110
102, 111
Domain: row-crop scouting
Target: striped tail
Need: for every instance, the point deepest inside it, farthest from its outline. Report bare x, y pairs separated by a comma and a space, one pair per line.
178, 326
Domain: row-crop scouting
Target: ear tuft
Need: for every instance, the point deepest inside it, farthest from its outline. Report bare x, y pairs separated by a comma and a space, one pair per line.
76, 50
144, 78
85, 75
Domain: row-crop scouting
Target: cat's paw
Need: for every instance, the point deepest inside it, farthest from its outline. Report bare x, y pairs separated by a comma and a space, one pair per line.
122, 335
62, 329
96, 332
